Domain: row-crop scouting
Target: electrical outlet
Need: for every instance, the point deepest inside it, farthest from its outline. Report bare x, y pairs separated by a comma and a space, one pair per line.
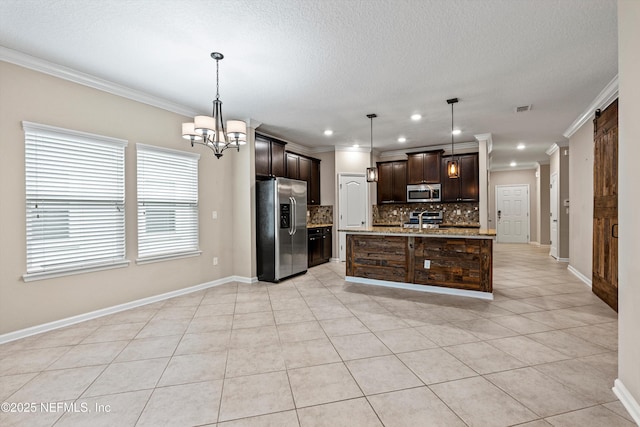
458, 212
214, 215
215, 260
427, 264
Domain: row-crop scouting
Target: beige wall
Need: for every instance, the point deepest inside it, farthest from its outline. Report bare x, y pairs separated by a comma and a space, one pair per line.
542, 182
563, 215
515, 177
629, 200
581, 197
349, 162
36, 97
559, 163
244, 222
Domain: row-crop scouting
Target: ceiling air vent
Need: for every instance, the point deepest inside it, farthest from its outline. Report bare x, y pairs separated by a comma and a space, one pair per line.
523, 108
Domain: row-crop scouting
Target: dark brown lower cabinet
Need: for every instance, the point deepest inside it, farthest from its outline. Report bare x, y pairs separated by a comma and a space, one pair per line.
320, 245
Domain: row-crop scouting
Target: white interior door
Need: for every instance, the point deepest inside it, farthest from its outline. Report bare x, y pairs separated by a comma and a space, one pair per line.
352, 206
512, 213
553, 217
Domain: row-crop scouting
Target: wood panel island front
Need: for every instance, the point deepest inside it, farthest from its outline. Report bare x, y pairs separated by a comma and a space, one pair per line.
449, 261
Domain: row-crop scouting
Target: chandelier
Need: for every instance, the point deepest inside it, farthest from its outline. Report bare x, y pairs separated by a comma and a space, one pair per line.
453, 168
372, 171
210, 130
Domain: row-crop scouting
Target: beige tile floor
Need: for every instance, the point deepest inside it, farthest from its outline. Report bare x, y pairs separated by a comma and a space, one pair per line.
316, 351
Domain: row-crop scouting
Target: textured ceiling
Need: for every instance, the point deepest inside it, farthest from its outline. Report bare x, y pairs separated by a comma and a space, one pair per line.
304, 66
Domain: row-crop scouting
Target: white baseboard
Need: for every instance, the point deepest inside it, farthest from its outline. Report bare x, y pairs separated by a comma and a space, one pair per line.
56, 324
243, 279
560, 259
579, 275
627, 400
421, 288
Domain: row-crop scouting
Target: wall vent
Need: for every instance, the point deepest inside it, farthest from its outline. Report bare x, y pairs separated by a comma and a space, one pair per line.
523, 108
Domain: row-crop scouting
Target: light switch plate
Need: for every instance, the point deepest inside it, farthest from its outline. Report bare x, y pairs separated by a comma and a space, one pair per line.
427, 263
214, 215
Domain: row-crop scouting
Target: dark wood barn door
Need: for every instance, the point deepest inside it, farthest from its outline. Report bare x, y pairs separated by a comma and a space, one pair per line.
605, 205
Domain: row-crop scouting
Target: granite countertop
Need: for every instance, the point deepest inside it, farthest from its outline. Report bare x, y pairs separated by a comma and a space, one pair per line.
460, 224
466, 233
444, 224
319, 225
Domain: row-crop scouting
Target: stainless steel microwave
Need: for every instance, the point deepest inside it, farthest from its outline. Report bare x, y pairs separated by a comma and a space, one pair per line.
423, 193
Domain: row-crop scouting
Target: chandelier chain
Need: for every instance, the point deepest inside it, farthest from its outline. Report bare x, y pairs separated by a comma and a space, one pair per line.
217, 79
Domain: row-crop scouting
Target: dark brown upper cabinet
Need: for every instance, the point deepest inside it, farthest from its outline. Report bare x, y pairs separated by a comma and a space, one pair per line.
305, 169
424, 168
269, 157
392, 182
466, 187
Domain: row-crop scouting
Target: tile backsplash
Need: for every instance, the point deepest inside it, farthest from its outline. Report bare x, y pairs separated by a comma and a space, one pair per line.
319, 214
461, 213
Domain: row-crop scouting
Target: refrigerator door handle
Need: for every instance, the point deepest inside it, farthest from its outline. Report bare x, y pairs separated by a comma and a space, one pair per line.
292, 216
295, 215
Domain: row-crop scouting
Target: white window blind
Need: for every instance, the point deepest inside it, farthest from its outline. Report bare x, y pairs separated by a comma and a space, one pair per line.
75, 201
167, 203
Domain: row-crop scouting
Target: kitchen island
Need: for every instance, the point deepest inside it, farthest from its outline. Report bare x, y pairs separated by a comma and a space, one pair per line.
456, 261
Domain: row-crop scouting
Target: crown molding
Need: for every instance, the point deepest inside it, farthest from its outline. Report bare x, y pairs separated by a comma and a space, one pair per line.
604, 98
556, 146
355, 149
486, 137
65, 73
324, 149
525, 166
253, 123
460, 147
291, 146
300, 149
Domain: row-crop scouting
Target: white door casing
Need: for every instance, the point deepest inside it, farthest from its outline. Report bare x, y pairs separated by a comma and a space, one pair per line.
512, 213
553, 217
353, 201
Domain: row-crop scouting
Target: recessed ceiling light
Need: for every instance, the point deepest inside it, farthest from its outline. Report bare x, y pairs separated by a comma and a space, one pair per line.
416, 117
356, 145
456, 132
520, 146
512, 164
402, 139
328, 132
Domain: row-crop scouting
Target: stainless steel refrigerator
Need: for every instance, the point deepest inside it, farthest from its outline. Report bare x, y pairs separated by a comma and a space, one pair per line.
281, 228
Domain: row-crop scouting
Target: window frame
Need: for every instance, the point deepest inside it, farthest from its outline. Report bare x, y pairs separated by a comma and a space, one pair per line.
187, 207
39, 197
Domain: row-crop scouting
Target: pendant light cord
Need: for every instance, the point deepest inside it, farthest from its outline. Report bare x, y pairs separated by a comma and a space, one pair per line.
371, 152
452, 130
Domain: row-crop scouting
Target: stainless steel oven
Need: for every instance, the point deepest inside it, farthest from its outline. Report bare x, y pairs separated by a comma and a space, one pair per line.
423, 193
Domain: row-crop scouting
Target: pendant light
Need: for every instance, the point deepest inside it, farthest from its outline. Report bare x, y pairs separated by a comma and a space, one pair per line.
372, 171
210, 130
453, 167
